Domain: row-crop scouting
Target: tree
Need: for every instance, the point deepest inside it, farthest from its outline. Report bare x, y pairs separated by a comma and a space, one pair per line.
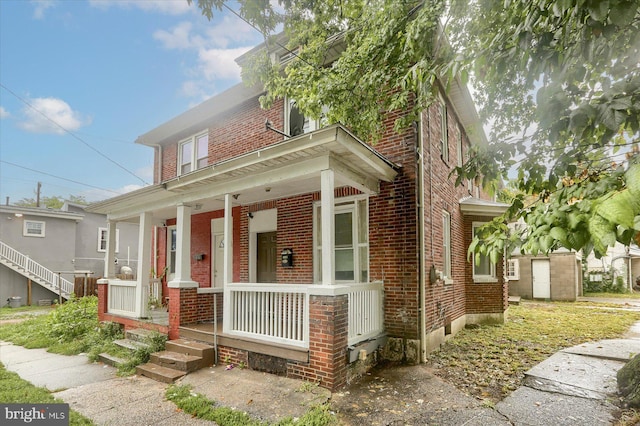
559, 80
53, 202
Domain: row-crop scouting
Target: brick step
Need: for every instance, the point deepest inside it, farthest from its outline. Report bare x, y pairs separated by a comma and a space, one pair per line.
138, 334
159, 373
111, 360
130, 344
190, 347
178, 361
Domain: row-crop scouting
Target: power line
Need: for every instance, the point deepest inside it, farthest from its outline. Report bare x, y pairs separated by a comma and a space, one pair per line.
58, 177
73, 134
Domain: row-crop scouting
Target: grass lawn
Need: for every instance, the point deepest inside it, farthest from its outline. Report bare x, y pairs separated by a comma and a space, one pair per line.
489, 362
614, 295
23, 311
16, 390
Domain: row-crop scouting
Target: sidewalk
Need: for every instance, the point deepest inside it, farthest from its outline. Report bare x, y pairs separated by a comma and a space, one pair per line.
569, 388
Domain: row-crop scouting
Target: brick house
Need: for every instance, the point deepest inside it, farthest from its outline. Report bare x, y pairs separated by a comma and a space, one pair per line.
312, 255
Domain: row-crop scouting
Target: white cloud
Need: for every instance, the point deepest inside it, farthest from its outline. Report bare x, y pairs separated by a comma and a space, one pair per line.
220, 63
47, 112
4, 113
168, 7
179, 37
231, 30
40, 7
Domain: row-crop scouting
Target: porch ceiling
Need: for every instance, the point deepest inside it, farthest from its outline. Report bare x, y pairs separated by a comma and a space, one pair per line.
285, 169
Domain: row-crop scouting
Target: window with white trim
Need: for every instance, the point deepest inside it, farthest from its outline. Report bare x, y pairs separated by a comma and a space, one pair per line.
296, 123
444, 133
459, 146
33, 228
483, 268
193, 153
103, 235
513, 269
351, 241
446, 244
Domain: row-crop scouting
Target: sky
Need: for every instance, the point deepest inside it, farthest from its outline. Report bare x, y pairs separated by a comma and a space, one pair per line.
80, 80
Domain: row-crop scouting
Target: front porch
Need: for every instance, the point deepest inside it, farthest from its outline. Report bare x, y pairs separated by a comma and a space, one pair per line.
314, 328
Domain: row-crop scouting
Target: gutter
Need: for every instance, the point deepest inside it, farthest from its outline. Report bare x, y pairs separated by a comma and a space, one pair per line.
421, 244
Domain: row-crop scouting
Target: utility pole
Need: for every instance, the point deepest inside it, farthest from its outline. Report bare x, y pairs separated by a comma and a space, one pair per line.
38, 194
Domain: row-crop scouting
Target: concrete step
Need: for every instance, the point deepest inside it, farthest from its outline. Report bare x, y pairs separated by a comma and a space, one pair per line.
138, 334
190, 347
130, 344
111, 360
177, 361
159, 373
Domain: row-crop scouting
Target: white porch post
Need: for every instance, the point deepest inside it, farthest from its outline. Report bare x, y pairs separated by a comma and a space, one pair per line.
228, 241
182, 278
327, 185
110, 254
144, 263
227, 273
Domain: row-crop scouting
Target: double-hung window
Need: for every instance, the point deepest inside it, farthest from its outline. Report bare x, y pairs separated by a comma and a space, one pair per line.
351, 253
446, 244
297, 123
444, 133
483, 270
193, 153
102, 239
33, 228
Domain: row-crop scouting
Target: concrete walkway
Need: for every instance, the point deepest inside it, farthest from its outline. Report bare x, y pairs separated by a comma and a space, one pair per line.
572, 387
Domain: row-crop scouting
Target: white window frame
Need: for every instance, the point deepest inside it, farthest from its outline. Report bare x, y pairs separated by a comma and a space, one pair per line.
444, 131
459, 146
25, 228
309, 126
446, 247
342, 205
492, 274
513, 269
195, 157
102, 236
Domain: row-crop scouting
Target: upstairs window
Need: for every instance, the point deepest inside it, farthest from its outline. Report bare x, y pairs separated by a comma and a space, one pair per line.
296, 123
33, 228
444, 134
459, 146
102, 239
193, 153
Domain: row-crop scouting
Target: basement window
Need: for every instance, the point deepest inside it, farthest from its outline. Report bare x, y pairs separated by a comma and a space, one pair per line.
33, 228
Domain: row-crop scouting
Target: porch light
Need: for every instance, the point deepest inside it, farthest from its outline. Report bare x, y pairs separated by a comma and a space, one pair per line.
221, 244
18, 214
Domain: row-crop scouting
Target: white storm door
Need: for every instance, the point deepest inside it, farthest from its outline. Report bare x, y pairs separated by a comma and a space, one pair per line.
541, 274
217, 253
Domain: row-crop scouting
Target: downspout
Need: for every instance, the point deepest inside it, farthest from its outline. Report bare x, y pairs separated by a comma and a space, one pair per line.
158, 156
421, 243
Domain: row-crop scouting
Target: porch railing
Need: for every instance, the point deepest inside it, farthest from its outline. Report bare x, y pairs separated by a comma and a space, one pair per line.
366, 311
122, 297
279, 313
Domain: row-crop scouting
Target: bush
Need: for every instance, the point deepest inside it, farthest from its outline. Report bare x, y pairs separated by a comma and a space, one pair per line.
74, 319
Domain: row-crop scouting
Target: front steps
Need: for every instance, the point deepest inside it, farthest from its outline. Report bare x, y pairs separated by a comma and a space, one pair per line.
180, 357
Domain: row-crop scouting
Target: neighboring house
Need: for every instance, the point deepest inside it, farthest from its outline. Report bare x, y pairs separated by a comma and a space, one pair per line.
37, 243
620, 261
557, 276
312, 251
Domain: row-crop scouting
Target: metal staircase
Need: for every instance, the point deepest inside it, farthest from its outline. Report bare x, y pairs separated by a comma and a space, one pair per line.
37, 273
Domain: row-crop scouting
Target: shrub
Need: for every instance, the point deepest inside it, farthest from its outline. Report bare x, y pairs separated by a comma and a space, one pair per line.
74, 319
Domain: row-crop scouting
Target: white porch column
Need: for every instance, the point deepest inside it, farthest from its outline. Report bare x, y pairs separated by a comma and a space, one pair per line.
327, 185
228, 241
110, 254
144, 263
182, 278
227, 255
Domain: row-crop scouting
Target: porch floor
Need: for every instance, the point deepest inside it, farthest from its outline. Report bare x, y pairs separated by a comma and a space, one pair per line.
204, 332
